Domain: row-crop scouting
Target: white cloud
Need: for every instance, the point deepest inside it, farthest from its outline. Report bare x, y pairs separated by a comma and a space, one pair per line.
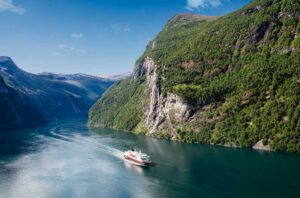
196, 4
8, 5
120, 28
75, 49
77, 35
64, 48
56, 54
126, 28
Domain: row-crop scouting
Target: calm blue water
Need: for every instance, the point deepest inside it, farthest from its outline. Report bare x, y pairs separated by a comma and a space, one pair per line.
68, 160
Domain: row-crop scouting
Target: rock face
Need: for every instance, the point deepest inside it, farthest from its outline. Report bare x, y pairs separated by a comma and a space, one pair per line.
163, 111
260, 146
46, 96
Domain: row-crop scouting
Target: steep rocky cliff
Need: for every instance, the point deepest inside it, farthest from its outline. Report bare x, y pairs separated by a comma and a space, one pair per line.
232, 80
164, 112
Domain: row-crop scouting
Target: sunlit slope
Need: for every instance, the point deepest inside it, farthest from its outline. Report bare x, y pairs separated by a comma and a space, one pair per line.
234, 80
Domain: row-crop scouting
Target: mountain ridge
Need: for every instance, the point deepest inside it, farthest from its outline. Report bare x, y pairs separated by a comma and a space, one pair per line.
186, 18
49, 97
230, 81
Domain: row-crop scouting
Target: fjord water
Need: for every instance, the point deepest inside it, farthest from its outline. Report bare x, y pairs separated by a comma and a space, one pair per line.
67, 159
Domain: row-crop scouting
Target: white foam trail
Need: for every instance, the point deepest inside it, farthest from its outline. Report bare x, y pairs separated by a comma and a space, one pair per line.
85, 140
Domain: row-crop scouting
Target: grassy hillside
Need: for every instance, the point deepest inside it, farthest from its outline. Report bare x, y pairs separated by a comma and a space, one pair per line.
243, 69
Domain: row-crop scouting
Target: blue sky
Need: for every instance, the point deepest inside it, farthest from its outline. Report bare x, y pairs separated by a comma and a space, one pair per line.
94, 36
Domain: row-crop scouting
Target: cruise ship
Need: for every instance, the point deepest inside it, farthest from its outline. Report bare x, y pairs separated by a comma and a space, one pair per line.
137, 157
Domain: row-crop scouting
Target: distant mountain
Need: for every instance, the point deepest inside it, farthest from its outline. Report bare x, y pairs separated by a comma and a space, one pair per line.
31, 99
232, 80
15, 110
95, 86
116, 77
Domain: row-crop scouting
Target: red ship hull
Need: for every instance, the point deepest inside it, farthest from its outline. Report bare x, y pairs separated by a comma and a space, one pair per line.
135, 161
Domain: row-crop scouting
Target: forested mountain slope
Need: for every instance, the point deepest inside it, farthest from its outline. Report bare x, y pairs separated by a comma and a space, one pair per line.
232, 80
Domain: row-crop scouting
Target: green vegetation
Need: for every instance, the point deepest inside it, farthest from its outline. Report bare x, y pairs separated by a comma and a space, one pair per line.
121, 106
245, 66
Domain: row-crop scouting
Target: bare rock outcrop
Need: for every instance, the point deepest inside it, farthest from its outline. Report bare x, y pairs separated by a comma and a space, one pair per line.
260, 146
163, 112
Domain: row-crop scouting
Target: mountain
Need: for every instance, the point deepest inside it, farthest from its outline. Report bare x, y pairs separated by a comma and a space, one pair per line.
115, 77
232, 80
16, 112
28, 99
93, 85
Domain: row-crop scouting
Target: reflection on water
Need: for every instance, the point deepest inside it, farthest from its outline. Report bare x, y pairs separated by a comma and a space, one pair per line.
68, 160
134, 168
